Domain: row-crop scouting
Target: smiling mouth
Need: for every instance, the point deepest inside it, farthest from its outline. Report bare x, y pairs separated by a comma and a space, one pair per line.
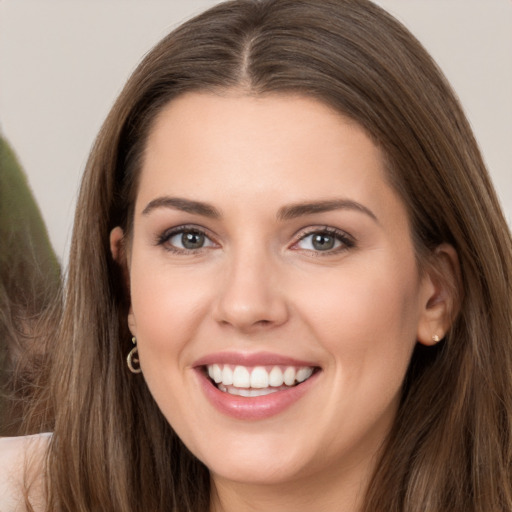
256, 381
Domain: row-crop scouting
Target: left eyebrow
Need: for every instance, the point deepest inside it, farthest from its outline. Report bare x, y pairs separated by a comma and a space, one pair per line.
298, 210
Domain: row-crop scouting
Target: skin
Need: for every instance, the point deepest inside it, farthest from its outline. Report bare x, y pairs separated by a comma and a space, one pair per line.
259, 284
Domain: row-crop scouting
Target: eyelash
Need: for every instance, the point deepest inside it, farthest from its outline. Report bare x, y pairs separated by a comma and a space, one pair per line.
164, 238
346, 241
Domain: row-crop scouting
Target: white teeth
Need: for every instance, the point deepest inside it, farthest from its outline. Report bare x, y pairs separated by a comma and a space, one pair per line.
217, 373
275, 377
241, 377
227, 375
248, 392
246, 381
262, 392
304, 374
259, 378
289, 376
231, 390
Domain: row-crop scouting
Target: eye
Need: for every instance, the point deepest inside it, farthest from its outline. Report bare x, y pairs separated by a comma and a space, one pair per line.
325, 240
188, 240
183, 239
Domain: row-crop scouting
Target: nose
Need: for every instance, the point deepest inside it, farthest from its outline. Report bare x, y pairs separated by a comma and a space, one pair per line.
250, 296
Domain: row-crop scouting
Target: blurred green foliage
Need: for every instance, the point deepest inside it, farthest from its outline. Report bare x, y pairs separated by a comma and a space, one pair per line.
29, 279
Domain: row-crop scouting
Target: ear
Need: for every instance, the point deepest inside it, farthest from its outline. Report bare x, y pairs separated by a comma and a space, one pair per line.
117, 246
131, 322
120, 256
441, 293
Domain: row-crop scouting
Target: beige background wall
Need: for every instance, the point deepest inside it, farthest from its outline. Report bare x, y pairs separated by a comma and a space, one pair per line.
62, 63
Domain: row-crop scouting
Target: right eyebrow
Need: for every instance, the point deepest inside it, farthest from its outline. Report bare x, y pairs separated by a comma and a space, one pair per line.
184, 205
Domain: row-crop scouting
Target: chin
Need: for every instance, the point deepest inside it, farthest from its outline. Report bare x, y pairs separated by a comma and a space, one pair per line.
256, 472
261, 461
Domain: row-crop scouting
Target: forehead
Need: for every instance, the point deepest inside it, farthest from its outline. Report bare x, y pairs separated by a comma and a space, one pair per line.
199, 138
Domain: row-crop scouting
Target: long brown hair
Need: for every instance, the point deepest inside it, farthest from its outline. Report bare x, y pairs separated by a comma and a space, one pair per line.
450, 446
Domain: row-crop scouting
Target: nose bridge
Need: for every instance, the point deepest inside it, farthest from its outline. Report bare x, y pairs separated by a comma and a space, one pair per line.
249, 295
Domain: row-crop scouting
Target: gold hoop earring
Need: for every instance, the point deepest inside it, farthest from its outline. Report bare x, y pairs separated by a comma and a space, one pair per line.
132, 360
436, 338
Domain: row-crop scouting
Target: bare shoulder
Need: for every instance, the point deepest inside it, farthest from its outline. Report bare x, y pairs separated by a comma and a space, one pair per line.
21, 465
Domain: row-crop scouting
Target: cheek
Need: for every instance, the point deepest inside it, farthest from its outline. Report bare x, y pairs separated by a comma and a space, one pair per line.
163, 300
366, 322
366, 315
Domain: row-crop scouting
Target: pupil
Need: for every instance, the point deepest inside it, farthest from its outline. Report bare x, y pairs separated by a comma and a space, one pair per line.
323, 242
192, 240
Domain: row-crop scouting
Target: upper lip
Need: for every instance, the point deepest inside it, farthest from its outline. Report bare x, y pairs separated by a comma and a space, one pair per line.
251, 359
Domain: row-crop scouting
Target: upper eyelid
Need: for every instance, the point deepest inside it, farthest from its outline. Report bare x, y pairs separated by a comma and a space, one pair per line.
185, 227
170, 232
304, 232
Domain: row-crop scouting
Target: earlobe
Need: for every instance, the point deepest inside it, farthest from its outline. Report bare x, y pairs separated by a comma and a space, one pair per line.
441, 295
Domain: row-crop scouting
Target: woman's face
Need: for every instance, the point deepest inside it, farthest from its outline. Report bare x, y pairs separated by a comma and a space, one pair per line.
270, 252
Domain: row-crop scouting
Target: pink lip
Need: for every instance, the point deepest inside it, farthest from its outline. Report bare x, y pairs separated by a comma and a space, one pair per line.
247, 359
252, 408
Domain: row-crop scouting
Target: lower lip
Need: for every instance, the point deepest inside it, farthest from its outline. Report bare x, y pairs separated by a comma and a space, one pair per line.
254, 408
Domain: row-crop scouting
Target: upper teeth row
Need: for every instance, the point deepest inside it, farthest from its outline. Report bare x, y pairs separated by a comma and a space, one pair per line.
257, 376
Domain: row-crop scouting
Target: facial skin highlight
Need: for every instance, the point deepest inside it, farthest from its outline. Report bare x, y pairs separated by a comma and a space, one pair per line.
265, 230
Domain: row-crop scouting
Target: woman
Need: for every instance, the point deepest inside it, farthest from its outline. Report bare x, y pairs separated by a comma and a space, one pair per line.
286, 226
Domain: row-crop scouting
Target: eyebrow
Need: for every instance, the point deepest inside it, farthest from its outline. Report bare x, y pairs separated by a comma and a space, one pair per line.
185, 205
298, 210
285, 213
